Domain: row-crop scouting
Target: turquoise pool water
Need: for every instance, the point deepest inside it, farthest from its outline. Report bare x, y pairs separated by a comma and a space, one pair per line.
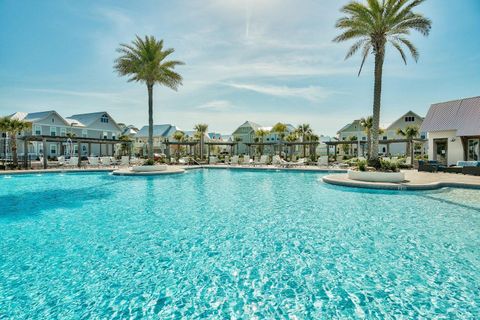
230, 244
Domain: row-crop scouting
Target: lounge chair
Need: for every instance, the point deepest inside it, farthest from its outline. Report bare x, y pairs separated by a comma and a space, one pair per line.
470, 167
322, 161
184, 161
72, 162
246, 159
234, 160
226, 160
262, 162
213, 160
106, 161
125, 161
276, 160
61, 160
286, 164
93, 161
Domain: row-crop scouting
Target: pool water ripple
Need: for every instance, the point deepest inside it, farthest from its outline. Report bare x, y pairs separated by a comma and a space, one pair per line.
231, 244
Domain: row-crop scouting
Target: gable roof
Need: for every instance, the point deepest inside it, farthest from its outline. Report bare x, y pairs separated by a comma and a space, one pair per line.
37, 116
356, 122
87, 119
461, 115
391, 126
159, 130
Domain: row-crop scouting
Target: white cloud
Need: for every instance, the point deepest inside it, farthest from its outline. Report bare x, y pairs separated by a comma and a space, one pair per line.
311, 93
216, 105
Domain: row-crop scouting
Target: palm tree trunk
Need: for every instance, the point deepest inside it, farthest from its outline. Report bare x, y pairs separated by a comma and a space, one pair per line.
377, 96
150, 121
14, 149
369, 143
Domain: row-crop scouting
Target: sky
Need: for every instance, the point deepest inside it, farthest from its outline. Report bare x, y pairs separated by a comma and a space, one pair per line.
265, 61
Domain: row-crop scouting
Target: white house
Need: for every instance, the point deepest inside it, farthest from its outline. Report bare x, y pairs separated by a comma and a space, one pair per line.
453, 130
98, 125
356, 130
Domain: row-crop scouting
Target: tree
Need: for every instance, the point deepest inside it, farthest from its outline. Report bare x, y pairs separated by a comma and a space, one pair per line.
144, 60
13, 127
201, 130
304, 130
367, 124
281, 130
261, 134
410, 132
179, 136
373, 25
125, 144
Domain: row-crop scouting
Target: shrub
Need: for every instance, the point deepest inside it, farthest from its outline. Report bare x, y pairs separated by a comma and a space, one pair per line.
362, 165
386, 165
149, 162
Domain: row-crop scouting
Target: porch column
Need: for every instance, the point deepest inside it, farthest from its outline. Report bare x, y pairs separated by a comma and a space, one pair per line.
328, 153
25, 153
335, 150
44, 141
89, 149
79, 153
388, 149
208, 151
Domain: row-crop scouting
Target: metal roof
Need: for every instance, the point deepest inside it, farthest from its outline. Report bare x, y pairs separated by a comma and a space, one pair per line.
461, 115
159, 130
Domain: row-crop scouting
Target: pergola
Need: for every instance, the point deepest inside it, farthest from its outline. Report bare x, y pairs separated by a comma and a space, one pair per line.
362, 143
220, 143
75, 140
190, 144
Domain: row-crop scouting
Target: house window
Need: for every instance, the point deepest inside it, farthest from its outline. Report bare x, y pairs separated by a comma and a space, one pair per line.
53, 131
385, 137
410, 119
104, 119
53, 149
84, 133
364, 138
38, 130
113, 136
473, 150
105, 135
75, 149
63, 132
53, 120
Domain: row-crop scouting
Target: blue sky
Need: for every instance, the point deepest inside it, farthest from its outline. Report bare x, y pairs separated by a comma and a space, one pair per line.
259, 60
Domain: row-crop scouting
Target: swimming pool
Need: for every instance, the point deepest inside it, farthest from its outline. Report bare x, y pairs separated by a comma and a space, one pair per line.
231, 244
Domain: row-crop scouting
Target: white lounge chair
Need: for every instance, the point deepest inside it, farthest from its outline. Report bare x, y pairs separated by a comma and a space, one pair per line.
213, 160
262, 162
61, 160
234, 160
125, 161
72, 162
246, 159
226, 160
93, 161
276, 160
106, 161
322, 161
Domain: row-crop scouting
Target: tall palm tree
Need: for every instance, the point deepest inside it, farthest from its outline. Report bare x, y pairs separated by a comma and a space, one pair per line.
409, 133
367, 124
304, 130
144, 60
13, 127
373, 25
201, 129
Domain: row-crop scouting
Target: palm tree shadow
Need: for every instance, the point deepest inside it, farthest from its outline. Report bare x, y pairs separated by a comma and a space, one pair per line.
28, 204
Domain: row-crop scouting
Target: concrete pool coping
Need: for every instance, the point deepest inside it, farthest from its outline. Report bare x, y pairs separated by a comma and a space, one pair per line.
414, 180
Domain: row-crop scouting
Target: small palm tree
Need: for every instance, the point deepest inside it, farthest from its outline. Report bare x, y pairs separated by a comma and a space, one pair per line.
179, 136
373, 25
201, 129
304, 130
125, 144
367, 124
13, 127
261, 134
144, 60
280, 129
409, 133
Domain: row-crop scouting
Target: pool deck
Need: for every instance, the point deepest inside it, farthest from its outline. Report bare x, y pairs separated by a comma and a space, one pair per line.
414, 180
